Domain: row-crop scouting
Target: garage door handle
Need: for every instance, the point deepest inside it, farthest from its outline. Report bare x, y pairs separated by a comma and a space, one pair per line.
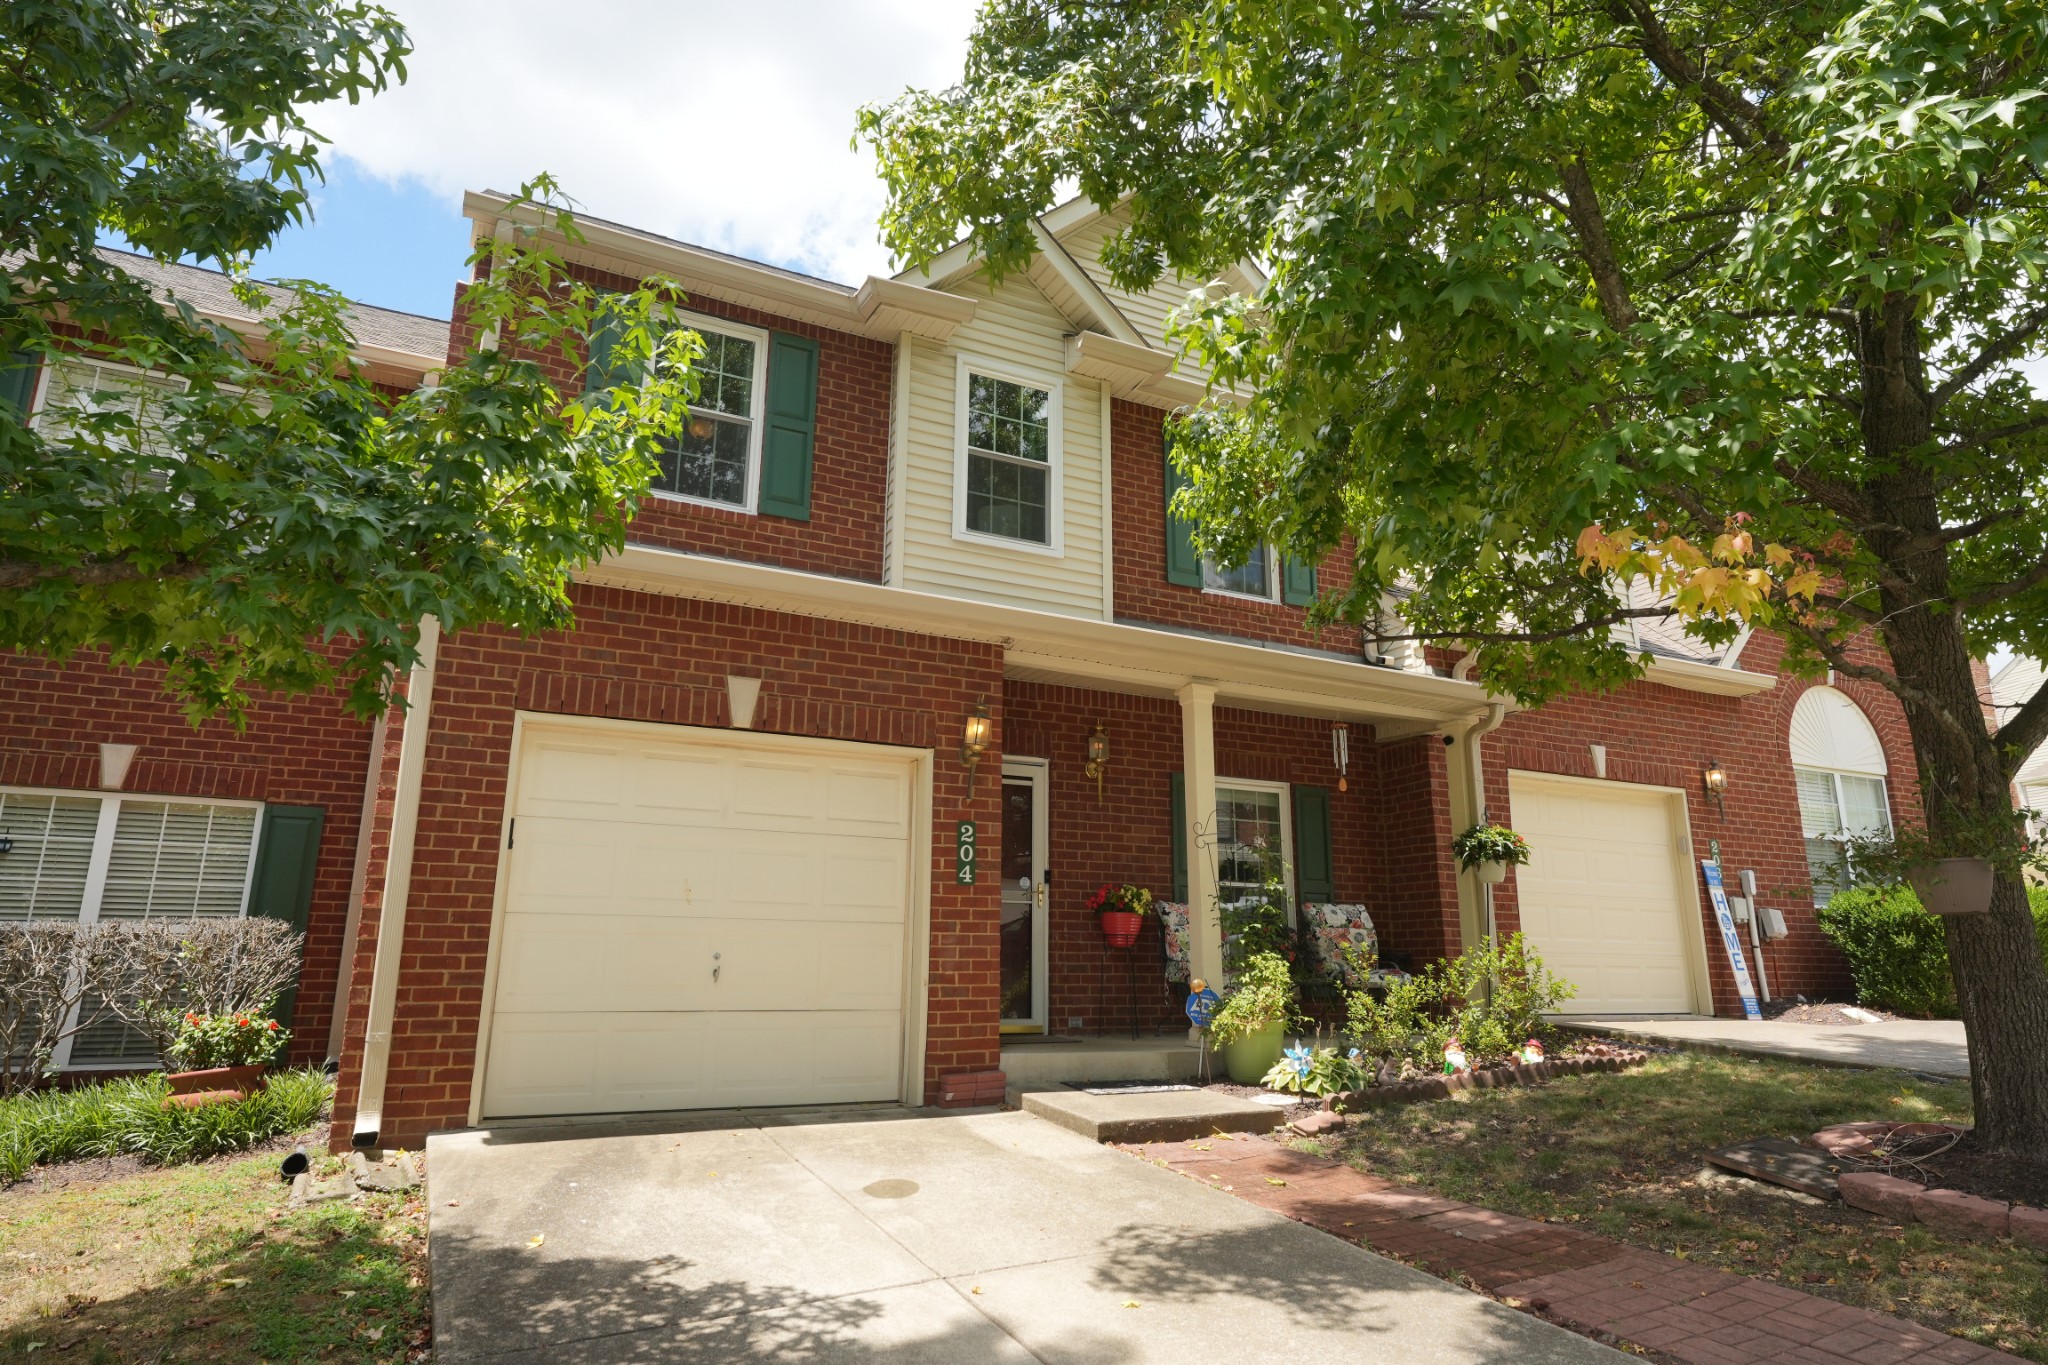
714, 966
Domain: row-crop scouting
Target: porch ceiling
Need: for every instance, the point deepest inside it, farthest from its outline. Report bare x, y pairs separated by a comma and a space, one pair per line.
1071, 651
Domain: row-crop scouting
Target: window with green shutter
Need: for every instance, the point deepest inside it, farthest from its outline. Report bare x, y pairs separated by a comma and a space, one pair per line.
282, 885
1315, 867
18, 383
1183, 563
790, 444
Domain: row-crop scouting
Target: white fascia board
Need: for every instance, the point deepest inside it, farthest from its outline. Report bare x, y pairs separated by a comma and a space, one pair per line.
1068, 279
878, 308
1045, 644
1688, 676
417, 367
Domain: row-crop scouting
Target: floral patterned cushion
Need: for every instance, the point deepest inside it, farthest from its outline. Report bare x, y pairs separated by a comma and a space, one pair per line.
1330, 929
1173, 938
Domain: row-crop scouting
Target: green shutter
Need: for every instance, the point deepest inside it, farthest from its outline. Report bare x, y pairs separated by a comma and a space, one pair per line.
602, 372
18, 382
1297, 581
1183, 564
1315, 871
1177, 802
787, 445
283, 885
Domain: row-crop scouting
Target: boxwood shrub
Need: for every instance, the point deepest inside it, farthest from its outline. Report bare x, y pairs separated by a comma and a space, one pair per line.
1896, 950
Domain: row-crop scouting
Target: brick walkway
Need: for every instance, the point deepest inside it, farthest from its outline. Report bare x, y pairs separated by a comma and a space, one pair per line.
1688, 1312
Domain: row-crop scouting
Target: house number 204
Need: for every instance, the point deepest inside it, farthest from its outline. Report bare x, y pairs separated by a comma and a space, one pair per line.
965, 851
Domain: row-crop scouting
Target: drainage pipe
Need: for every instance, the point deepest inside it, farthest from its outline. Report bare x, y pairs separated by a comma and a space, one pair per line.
358, 881
1475, 774
405, 820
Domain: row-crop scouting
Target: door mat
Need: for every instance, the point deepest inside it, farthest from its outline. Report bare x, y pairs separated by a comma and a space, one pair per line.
1784, 1162
1127, 1087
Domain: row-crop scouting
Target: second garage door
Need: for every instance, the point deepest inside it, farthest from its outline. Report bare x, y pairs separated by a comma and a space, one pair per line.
695, 919
1601, 899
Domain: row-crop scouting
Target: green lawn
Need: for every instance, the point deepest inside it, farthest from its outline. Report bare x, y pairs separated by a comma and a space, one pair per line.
204, 1263
1622, 1154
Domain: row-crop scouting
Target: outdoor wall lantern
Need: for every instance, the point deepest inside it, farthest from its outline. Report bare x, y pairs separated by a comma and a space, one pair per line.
1715, 780
1098, 757
974, 741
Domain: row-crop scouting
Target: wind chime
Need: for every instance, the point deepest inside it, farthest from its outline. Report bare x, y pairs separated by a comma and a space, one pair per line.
1340, 753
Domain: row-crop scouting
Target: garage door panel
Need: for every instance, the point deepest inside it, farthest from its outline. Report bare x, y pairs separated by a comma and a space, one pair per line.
1600, 898
611, 1061
640, 855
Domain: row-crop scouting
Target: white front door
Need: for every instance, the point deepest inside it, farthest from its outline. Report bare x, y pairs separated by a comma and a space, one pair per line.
1601, 898
1025, 889
692, 919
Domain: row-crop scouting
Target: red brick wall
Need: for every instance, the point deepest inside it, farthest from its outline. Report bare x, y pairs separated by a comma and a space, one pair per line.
1665, 737
1415, 907
301, 751
1124, 834
1138, 493
850, 461
643, 657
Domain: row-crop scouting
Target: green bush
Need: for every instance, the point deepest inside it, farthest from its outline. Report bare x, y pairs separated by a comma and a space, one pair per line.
127, 1116
1490, 997
1260, 995
1896, 950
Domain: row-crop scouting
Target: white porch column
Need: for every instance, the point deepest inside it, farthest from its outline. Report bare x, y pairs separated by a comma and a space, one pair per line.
1198, 778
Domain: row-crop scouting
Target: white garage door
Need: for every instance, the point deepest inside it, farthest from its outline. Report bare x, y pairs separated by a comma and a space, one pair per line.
1601, 899
691, 920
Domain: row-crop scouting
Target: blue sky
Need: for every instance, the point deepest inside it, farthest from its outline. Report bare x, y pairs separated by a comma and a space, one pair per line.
720, 124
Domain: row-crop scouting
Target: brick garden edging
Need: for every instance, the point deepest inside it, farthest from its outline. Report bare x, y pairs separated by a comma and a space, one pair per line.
1491, 1078
1950, 1211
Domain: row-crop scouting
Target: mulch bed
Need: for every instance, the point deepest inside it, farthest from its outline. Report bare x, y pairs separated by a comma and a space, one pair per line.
98, 1170
1991, 1175
1800, 1011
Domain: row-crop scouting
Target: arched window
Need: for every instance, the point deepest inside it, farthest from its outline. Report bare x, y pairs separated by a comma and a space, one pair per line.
1840, 768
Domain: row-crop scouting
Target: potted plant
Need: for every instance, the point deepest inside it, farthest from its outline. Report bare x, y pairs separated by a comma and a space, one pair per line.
1121, 911
221, 1057
1953, 886
1492, 849
1251, 1024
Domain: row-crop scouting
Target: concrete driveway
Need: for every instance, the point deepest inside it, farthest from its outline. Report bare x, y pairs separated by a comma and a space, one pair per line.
1935, 1046
875, 1235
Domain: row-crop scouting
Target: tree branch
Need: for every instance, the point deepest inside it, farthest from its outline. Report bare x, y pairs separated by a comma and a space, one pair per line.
1993, 434
2033, 578
1732, 113
1585, 627
1998, 349
22, 573
1838, 659
2025, 731
1582, 205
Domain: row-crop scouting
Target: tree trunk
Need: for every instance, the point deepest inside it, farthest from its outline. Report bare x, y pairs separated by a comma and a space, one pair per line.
2001, 984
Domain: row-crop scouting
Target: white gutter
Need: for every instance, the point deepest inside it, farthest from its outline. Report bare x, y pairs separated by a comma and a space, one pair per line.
405, 820
1718, 680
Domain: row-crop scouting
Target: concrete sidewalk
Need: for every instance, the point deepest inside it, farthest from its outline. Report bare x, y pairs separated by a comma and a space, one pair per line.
1931, 1045
873, 1236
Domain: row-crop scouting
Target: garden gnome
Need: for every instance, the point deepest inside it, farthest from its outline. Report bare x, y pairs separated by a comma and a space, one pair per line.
1454, 1058
1532, 1052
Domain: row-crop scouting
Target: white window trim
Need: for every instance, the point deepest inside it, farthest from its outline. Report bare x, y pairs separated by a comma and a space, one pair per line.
1246, 784
1273, 571
96, 878
1056, 522
756, 416
1841, 840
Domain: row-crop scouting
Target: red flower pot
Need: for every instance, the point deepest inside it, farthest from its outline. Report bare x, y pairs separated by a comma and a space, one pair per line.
1120, 927
216, 1085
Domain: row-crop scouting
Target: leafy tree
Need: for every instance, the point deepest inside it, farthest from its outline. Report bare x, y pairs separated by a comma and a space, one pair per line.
1586, 311
279, 521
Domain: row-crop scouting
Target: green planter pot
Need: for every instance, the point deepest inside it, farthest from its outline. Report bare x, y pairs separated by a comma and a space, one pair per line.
1252, 1056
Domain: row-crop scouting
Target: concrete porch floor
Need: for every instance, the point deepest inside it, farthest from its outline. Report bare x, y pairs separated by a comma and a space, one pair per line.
1037, 1061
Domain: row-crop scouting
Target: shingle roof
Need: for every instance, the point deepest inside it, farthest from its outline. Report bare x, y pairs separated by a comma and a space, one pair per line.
208, 291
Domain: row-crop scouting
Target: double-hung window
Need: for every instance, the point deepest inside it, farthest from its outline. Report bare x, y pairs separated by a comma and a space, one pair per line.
88, 857
1835, 807
717, 459
1008, 467
1255, 578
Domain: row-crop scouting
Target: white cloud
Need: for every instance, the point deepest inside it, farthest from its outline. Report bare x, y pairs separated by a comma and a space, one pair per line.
724, 124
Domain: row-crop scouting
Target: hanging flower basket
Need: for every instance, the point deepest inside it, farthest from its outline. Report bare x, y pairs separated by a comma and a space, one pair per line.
1953, 886
1490, 850
1122, 912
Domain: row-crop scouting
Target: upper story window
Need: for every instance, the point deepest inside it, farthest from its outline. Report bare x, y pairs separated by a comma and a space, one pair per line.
717, 459
1254, 578
1007, 478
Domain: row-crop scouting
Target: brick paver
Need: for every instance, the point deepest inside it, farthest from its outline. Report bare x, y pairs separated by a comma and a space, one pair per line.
1689, 1312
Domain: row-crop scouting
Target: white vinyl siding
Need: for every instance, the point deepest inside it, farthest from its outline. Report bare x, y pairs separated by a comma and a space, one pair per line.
75, 384
1147, 311
88, 857
1017, 336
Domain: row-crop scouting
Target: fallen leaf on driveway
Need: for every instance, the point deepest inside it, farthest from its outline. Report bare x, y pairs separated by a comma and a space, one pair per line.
536, 1239
1130, 1303
977, 1289
1274, 1180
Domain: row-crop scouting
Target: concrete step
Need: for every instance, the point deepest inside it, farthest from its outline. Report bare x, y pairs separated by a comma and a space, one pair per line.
1100, 1059
1168, 1116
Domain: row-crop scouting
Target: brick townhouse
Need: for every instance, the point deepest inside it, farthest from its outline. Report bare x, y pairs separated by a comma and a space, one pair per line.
907, 655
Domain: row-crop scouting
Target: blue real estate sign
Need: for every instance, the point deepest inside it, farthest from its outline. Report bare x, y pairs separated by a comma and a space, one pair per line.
1730, 939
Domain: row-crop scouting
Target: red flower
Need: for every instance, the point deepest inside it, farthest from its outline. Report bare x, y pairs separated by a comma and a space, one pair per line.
272, 1026
190, 1017
241, 1022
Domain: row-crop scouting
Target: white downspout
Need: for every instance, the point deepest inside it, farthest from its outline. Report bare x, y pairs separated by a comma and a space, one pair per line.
358, 882
1496, 712
405, 819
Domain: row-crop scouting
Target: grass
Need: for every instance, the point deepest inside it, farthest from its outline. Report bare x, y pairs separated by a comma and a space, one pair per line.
1622, 1154
203, 1262
127, 1116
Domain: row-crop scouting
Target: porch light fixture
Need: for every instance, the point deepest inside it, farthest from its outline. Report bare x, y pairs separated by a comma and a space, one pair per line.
1715, 780
974, 741
1098, 757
